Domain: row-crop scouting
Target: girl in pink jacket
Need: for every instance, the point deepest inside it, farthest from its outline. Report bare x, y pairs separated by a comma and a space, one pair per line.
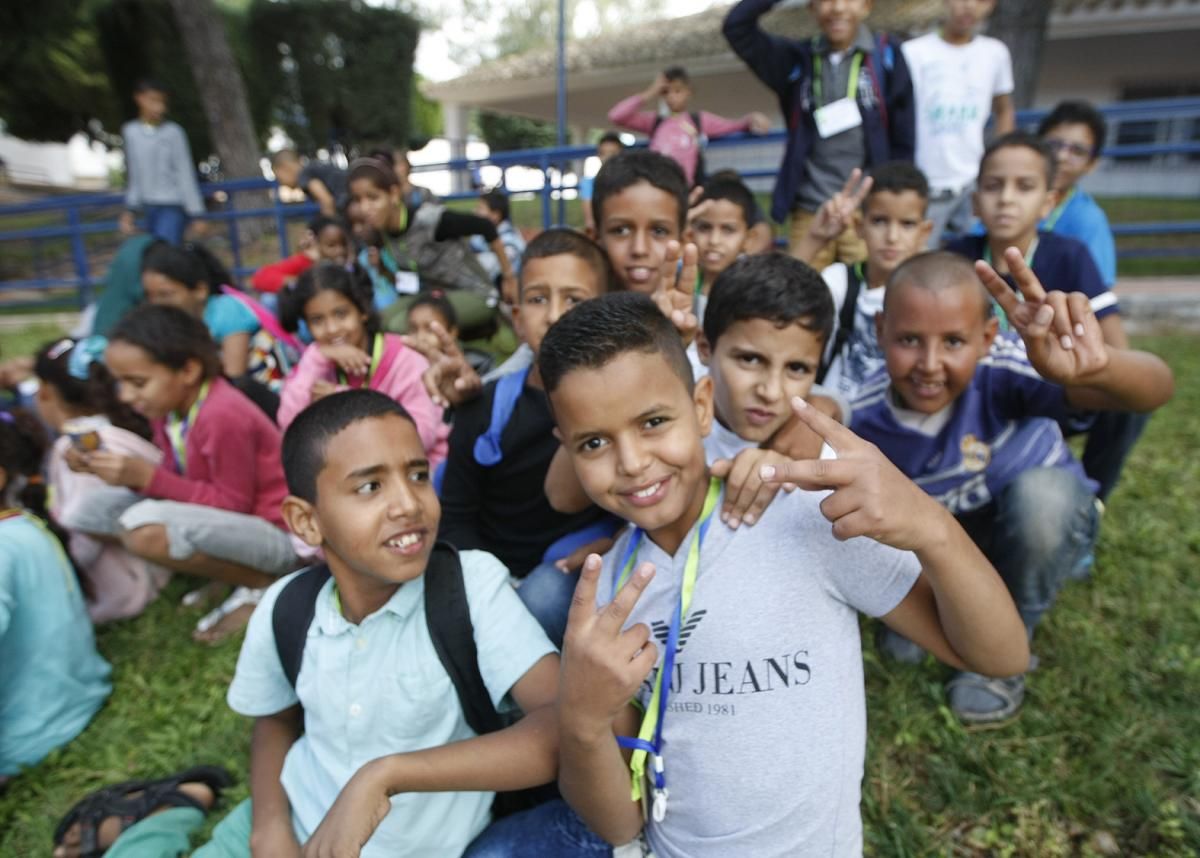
349, 350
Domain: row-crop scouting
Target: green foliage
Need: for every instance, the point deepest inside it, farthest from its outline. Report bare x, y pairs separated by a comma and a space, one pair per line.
426, 116
504, 132
1102, 761
335, 72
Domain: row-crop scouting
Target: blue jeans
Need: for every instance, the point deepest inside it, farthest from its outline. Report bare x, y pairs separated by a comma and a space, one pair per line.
547, 592
166, 222
1035, 533
549, 830
1109, 442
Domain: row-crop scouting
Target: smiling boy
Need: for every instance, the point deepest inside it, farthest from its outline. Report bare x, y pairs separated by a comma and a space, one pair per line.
766, 639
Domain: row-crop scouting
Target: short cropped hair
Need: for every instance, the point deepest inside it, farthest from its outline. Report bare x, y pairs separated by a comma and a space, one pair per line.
149, 84
288, 155
640, 165
497, 201
610, 137
936, 270
561, 241
677, 73
1022, 140
308, 436
896, 177
732, 189
595, 333
772, 286
1077, 113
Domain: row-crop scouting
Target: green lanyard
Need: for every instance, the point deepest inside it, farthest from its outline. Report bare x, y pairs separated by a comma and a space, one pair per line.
1056, 215
650, 721
178, 428
376, 356
851, 89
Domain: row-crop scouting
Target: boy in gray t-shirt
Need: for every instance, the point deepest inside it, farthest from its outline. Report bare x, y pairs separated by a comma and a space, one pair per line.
763, 719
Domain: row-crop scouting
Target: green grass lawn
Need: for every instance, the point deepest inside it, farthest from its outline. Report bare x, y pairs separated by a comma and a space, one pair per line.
1104, 759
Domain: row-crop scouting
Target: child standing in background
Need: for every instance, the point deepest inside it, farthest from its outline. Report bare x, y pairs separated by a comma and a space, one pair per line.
959, 79
661, 112
349, 350
52, 680
74, 383
608, 146
493, 205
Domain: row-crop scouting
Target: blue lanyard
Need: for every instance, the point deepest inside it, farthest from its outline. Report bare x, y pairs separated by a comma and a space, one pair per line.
649, 741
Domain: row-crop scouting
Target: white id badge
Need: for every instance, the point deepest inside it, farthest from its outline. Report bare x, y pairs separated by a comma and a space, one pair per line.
407, 282
837, 116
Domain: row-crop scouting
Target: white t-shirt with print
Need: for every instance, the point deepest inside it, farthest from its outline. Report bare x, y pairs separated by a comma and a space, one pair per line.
954, 86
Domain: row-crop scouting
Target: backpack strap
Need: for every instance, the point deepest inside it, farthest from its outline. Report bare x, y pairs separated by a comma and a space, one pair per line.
264, 316
508, 390
885, 53
845, 325
448, 615
292, 614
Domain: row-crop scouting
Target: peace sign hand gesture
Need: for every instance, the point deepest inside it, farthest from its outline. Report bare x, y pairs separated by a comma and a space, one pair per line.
869, 496
1061, 333
837, 212
676, 286
603, 666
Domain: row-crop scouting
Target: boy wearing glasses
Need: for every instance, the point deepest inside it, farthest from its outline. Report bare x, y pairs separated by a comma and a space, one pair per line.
1075, 131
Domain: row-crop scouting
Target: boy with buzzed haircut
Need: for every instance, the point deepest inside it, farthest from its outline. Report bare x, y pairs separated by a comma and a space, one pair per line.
1015, 193
846, 99
758, 626
962, 411
1075, 132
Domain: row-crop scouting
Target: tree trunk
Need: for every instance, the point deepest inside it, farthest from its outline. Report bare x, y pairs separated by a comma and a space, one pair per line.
223, 94
1022, 24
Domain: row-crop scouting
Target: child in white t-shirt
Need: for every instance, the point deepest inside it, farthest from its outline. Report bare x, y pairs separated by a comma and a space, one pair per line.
959, 80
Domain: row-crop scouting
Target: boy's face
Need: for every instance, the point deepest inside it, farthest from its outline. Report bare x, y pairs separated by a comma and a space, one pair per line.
720, 236
894, 228
1073, 146
332, 245
756, 368
287, 172
608, 149
635, 226
677, 95
151, 105
932, 340
839, 19
964, 16
551, 286
1012, 195
635, 437
376, 514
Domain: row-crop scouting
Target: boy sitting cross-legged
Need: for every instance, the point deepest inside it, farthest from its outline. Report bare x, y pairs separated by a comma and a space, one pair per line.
963, 412
759, 733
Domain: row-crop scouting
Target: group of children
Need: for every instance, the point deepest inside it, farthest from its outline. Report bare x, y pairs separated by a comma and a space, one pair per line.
705, 461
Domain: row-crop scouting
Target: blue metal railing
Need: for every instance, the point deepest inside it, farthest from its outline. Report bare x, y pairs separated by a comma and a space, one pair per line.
86, 216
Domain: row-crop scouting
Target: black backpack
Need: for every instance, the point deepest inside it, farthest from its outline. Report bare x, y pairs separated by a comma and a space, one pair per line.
448, 616
845, 322
701, 143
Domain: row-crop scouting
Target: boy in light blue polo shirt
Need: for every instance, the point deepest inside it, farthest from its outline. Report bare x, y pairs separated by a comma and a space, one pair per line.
370, 683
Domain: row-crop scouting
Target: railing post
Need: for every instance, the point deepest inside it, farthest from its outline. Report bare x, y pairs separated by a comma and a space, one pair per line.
545, 165
280, 223
235, 246
79, 254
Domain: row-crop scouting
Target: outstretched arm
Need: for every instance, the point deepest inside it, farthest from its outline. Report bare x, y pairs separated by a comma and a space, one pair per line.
1066, 345
959, 609
271, 827
769, 57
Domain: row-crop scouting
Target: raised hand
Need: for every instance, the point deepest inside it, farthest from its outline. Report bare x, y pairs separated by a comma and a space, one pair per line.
837, 212
746, 493
870, 497
604, 665
759, 123
675, 295
1062, 335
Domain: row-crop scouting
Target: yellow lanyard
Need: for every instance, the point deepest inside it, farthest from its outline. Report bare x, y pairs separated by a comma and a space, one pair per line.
177, 429
649, 738
851, 89
1057, 214
376, 357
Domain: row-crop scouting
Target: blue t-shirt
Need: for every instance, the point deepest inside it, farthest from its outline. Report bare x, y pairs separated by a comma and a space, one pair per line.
226, 315
1083, 219
1060, 263
1002, 425
52, 680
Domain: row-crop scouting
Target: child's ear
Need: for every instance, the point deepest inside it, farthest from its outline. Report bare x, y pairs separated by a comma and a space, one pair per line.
990, 329
702, 399
301, 519
703, 348
193, 371
1048, 204
924, 231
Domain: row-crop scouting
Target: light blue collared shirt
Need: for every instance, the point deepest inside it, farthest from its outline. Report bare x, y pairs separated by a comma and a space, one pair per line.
379, 688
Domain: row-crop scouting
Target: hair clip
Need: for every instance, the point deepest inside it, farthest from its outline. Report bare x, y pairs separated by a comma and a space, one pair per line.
60, 348
87, 351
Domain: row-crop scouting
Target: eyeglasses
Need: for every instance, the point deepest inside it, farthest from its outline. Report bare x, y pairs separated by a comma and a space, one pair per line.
1075, 151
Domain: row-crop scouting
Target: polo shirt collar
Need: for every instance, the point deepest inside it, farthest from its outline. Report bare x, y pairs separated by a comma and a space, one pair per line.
402, 604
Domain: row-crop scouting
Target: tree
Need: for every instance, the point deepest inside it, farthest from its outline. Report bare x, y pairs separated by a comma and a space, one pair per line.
1021, 24
220, 84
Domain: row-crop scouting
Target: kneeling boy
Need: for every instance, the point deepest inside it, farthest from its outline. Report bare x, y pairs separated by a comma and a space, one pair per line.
757, 627
963, 413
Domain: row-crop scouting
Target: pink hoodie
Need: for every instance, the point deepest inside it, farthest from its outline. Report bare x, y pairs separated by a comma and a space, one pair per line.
676, 136
398, 375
